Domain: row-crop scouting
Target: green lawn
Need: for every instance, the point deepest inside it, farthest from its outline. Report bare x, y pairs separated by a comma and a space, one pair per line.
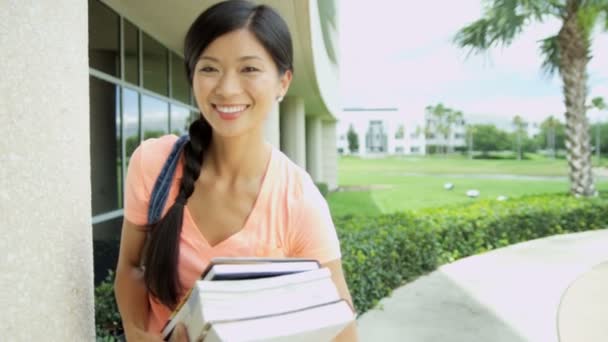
411, 183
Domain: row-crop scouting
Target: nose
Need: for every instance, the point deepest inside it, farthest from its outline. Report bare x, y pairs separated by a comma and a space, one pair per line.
228, 85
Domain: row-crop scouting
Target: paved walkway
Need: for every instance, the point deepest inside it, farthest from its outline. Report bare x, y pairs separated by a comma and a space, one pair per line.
510, 294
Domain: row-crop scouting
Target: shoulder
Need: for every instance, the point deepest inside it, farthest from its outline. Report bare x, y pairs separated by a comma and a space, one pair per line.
150, 156
298, 187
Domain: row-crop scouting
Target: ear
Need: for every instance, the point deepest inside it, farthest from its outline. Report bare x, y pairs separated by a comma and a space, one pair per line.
285, 81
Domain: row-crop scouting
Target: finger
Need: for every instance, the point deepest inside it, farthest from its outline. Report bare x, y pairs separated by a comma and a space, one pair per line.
180, 333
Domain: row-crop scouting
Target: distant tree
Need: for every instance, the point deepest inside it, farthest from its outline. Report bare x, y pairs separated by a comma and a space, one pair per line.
599, 104
520, 133
489, 138
552, 135
470, 139
353, 140
400, 132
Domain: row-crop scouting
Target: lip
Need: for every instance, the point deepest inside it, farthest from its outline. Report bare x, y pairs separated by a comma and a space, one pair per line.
229, 116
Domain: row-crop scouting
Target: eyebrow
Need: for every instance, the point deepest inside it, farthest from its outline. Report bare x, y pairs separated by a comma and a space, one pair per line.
243, 58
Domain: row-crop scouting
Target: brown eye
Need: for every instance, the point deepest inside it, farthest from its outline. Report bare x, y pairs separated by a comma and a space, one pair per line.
207, 69
250, 69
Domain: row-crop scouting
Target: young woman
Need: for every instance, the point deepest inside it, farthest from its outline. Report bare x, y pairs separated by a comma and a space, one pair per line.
233, 194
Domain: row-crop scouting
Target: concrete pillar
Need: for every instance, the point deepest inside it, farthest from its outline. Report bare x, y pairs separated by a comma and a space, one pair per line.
272, 127
314, 151
330, 154
45, 189
293, 126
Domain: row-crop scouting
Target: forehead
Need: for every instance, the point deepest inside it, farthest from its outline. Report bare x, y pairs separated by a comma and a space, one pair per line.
231, 46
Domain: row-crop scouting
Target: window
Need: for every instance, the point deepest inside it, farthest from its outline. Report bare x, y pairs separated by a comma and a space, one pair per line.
179, 81
154, 117
155, 66
104, 39
415, 149
106, 242
131, 41
105, 147
180, 122
131, 129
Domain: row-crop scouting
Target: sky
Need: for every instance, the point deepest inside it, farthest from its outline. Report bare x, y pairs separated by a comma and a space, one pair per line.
398, 53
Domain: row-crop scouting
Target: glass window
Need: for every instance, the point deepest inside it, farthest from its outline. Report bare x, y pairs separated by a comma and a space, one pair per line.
180, 120
131, 53
130, 109
106, 242
179, 80
154, 117
155, 66
104, 41
106, 163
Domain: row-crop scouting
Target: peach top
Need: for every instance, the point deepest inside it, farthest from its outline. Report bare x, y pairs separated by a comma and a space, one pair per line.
290, 218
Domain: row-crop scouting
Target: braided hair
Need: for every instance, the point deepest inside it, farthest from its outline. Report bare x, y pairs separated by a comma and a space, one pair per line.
161, 257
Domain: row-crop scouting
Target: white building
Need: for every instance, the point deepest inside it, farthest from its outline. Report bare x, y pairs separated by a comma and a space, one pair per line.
382, 131
389, 131
455, 138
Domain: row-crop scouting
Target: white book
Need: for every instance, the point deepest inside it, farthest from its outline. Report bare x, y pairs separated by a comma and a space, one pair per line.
269, 298
249, 268
319, 324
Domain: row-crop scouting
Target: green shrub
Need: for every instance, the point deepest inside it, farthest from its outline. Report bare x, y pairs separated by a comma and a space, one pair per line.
381, 253
323, 189
108, 324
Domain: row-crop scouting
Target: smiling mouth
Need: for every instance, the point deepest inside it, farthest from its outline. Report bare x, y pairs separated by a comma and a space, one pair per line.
230, 112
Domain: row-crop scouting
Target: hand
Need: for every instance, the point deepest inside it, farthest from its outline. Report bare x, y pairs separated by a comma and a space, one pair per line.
180, 333
138, 335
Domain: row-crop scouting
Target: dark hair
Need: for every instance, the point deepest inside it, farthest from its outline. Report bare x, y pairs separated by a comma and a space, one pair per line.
161, 257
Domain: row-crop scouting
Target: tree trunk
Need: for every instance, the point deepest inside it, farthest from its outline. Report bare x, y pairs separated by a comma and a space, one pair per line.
574, 56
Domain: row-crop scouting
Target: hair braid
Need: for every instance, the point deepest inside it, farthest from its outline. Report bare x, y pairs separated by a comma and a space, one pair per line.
161, 276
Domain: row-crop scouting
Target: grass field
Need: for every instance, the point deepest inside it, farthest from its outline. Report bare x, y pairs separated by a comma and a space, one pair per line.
374, 186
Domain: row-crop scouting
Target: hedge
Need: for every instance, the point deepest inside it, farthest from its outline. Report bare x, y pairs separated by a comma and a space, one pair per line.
381, 253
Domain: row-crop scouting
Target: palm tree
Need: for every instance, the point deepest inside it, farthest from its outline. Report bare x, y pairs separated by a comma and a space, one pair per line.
567, 52
520, 129
435, 122
452, 117
599, 104
551, 124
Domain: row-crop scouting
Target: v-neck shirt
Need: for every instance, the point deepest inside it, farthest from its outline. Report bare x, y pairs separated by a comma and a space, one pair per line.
289, 218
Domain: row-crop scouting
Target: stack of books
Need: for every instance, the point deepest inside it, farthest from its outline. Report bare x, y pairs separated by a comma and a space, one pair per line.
262, 299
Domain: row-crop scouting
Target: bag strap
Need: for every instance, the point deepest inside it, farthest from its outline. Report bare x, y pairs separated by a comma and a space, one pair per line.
159, 195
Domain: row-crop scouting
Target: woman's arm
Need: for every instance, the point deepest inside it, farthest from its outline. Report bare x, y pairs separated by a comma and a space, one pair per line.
349, 334
129, 286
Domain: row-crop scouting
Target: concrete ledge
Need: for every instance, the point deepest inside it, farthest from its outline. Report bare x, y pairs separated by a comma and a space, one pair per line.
583, 310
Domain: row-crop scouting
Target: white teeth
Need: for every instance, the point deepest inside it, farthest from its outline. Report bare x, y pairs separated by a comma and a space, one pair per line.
231, 109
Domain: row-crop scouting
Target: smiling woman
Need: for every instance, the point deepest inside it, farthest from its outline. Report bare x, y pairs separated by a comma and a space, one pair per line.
233, 194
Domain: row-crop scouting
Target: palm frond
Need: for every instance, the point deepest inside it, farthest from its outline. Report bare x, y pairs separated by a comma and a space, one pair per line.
550, 51
502, 21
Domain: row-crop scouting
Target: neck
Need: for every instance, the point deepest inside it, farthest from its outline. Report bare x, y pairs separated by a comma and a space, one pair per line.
237, 158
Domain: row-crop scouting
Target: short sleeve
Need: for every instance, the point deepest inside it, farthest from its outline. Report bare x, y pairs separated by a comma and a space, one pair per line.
137, 195
312, 233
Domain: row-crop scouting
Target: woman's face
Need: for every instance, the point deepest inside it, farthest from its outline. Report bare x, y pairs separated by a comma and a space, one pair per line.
236, 83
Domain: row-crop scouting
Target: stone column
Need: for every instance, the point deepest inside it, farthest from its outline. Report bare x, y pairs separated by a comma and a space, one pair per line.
330, 155
45, 189
314, 151
293, 126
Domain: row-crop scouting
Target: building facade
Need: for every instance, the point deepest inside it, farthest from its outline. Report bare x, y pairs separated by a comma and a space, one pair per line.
84, 83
